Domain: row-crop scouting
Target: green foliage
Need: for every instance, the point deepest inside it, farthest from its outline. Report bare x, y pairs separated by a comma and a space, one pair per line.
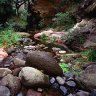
90, 54
45, 39
41, 24
63, 19
8, 37
17, 23
23, 14
64, 67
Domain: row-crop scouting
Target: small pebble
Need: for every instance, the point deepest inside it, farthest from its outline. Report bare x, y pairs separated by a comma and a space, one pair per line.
62, 52
52, 80
71, 83
39, 89
55, 85
63, 89
60, 80
56, 49
68, 74
25, 51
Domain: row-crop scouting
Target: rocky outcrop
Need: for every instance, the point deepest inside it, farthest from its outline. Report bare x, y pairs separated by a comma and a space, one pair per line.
86, 9
43, 61
81, 32
87, 77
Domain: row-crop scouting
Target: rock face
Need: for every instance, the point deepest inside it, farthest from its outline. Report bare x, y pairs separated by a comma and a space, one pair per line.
32, 77
80, 31
13, 83
43, 61
86, 9
88, 77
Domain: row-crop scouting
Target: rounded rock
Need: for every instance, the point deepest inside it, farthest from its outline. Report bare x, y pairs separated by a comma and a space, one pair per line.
52, 80
60, 80
55, 85
4, 91
32, 77
13, 83
83, 93
44, 61
18, 62
63, 90
71, 83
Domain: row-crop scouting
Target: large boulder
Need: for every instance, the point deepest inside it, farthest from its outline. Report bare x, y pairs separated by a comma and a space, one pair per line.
43, 61
88, 77
80, 33
31, 77
13, 83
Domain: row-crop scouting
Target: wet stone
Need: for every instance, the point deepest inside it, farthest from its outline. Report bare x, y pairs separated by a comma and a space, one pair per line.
71, 83
52, 80
60, 80
63, 90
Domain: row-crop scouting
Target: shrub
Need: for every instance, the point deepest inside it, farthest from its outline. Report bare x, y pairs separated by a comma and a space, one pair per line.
66, 68
63, 19
89, 54
17, 23
8, 37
